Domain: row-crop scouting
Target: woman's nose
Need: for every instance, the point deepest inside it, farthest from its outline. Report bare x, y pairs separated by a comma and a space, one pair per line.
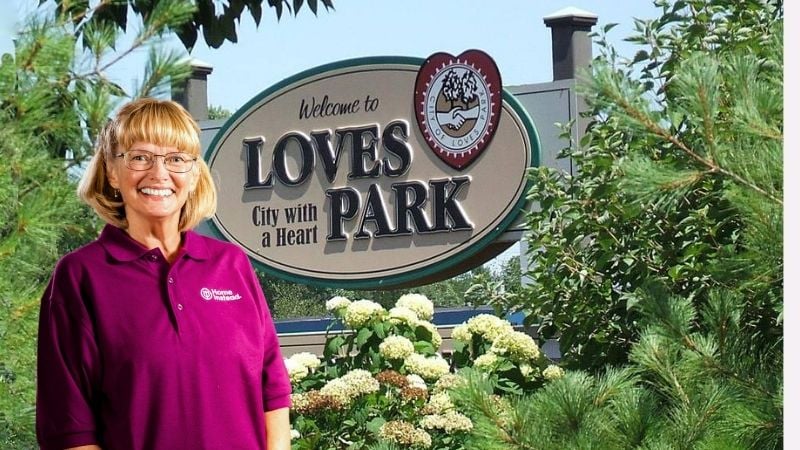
159, 165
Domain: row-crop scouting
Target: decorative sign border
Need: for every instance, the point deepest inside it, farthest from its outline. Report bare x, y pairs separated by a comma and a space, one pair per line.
397, 280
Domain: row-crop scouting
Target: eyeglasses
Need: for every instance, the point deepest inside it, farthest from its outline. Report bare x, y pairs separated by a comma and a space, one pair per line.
143, 160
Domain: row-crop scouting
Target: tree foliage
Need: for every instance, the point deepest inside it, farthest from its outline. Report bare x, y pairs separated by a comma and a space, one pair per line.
54, 97
39, 206
217, 25
697, 380
663, 255
218, 113
679, 180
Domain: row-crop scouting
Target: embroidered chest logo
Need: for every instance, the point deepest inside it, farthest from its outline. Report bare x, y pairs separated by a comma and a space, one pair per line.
220, 295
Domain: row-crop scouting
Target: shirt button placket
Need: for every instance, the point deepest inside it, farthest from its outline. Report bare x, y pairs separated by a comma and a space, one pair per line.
173, 297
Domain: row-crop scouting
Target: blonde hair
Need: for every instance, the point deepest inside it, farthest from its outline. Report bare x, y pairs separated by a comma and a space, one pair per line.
160, 122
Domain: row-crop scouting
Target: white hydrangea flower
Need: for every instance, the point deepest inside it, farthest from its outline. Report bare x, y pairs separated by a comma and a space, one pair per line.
396, 347
307, 359
552, 372
359, 312
430, 368
527, 370
296, 370
438, 403
295, 434
417, 303
337, 303
449, 422
461, 333
401, 314
489, 326
405, 434
436, 338
362, 380
421, 438
338, 389
486, 362
447, 381
351, 385
516, 345
416, 381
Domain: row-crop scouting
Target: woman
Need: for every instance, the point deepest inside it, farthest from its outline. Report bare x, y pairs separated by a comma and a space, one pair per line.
153, 336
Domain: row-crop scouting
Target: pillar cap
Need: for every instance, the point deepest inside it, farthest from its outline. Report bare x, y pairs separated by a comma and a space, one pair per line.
201, 67
571, 16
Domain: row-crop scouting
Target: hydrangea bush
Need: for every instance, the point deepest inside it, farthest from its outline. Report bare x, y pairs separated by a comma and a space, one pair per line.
384, 381
512, 358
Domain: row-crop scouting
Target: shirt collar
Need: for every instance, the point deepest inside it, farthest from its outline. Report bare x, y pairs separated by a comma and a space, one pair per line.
123, 248
195, 246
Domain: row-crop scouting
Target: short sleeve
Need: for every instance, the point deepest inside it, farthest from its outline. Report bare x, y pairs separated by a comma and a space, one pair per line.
67, 366
276, 388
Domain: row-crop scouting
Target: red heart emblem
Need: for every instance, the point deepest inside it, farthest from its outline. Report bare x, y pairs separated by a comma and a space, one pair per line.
457, 102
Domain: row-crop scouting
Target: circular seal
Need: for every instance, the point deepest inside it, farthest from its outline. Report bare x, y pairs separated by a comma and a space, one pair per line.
457, 103
206, 293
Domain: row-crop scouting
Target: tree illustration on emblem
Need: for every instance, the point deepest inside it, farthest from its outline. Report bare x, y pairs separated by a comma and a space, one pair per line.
460, 88
451, 87
469, 88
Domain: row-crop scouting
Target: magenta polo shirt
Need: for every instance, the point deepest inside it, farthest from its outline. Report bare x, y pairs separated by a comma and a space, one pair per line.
135, 353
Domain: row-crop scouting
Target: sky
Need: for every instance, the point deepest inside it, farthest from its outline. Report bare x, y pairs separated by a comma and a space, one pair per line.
511, 31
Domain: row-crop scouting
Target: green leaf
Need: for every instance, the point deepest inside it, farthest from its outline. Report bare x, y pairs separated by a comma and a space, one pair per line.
640, 56
114, 12
374, 425
380, 330
255, 11
278, 5
422, 333
424, 347
363, 336
332, 346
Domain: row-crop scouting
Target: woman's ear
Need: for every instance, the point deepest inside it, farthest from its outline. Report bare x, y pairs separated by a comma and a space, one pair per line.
111, 173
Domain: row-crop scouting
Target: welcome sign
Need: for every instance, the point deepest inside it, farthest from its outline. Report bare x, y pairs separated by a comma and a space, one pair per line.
374, 172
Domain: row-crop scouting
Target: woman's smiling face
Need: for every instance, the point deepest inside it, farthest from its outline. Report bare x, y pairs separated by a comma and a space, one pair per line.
152, 195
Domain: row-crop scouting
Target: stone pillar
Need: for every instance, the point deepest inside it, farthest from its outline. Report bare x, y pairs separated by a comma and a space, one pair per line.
572, 54
193, 92
572, 47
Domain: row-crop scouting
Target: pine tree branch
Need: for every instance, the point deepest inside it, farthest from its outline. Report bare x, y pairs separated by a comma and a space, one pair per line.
138, 42
90, 11
666, 135
505, 436
157, 22
688, 343
677, 385
722, 370
708, 122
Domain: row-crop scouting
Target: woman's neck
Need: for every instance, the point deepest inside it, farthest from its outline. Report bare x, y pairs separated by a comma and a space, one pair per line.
163, 236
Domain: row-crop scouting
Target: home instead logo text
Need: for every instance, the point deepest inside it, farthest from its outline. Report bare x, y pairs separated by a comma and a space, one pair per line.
220, 295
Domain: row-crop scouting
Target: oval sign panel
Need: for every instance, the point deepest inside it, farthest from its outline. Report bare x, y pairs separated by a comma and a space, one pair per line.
374, 172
